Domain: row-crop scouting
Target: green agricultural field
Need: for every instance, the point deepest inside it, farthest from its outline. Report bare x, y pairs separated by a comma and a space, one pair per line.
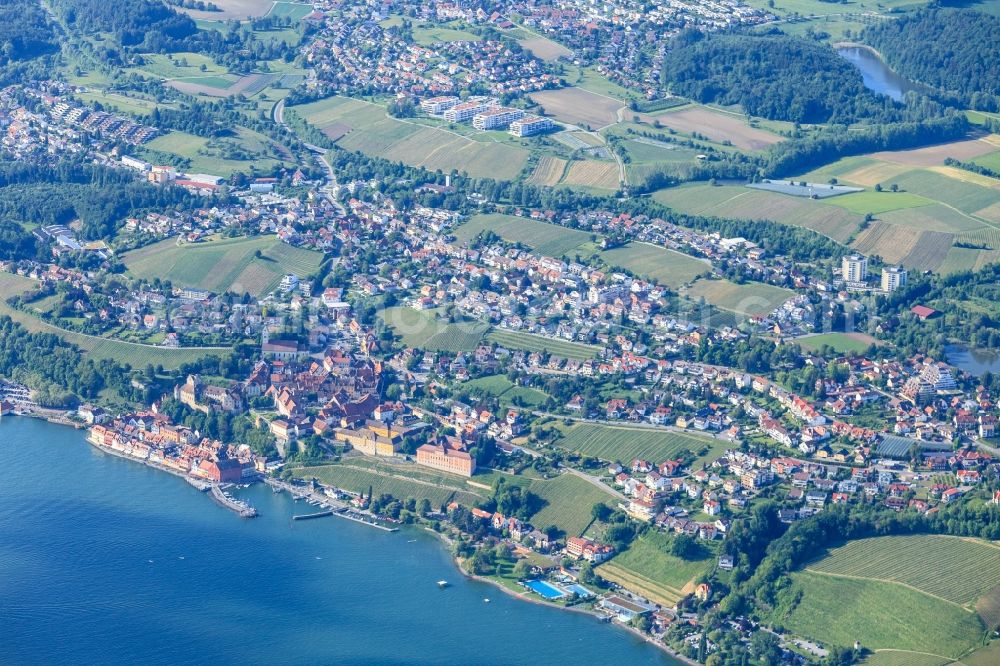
136, 355
966, 197
624, 443
570, 501
532, 343
358, 479
880, 615
955, 570
109, 100
874, 202
546, 239
752, 298
293, 10
841, 342
179, 65
734, 201
207, 155
989, 160
498, 386
422, 329
223, 265
667, 267
366, 127
647, 567
896, 658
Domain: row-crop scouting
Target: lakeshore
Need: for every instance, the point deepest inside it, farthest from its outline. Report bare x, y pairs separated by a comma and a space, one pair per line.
368, 566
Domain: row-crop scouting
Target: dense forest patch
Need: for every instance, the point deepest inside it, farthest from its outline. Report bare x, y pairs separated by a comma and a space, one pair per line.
952, 50
773, 76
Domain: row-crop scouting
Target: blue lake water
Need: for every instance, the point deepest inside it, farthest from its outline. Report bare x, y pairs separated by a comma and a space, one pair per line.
105, 561
976, 362
876, 75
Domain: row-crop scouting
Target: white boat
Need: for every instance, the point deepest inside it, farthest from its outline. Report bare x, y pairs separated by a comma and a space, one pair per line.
442, 583
486, 601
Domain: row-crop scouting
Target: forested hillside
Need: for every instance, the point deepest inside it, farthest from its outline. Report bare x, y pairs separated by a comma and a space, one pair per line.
773, 76
150, 24
957, 51
27, 37
25, 32
100, 197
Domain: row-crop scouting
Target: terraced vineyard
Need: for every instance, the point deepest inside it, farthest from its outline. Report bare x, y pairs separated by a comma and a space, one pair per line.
621, 443
649, 569
630, 580
667, 267
422, 328
532, 343
956, 570
223, 265
546, 239
570, 500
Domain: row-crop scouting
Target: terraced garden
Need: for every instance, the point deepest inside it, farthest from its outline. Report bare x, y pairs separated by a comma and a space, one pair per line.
357, 479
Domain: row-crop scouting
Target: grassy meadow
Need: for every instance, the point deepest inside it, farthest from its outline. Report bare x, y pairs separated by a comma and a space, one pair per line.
222, 265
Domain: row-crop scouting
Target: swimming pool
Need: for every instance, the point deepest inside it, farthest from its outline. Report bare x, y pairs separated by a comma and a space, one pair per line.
580, 590
545, 589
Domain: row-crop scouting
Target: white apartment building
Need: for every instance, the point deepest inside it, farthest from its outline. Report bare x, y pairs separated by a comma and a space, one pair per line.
893, 277
854, 268
496, 118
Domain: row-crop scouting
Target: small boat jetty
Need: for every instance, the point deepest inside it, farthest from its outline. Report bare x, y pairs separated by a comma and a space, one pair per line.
330, 506
231, 503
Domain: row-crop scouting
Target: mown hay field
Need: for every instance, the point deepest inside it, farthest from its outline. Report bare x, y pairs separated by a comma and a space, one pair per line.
548, 171
717, 126
752, 298
648, 567
577, 106
592, 173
